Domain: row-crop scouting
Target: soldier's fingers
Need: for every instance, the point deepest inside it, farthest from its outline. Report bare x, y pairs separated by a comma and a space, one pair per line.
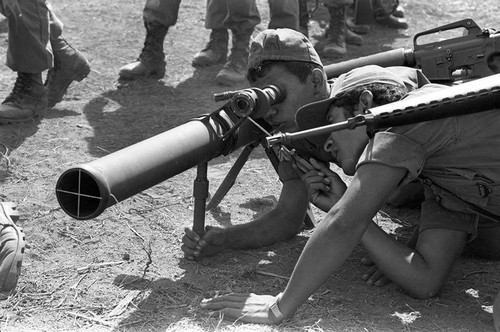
224, 301
191, 234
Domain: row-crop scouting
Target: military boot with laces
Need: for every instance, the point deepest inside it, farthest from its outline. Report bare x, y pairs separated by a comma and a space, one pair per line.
12, 244
151, 63
352, 38
336, 32
215, 51
383, 13
398, 10
26, 101
69, 65
235, 69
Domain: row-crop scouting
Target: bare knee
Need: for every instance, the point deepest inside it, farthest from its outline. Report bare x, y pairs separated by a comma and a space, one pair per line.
425, 290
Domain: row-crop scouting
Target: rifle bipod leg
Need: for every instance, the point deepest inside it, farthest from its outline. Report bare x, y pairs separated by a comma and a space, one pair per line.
230, 178
200, 194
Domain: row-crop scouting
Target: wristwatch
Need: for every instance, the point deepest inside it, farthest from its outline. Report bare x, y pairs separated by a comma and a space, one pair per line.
275, 310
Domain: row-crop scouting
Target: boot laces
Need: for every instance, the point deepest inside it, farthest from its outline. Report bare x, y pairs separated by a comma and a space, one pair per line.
237, 60
53, 71
217, 42
22, 86
153, 44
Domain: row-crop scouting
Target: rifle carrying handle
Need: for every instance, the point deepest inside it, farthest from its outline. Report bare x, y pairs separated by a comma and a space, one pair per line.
468, 24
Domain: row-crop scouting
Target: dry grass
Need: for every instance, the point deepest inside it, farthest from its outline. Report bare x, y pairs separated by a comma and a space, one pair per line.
124, 271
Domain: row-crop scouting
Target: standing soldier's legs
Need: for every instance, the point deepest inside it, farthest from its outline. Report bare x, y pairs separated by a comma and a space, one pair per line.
383, 12
242, 18
158, 16
216, 49
338, 33
303, 17
284, 14
29, 55
69, 64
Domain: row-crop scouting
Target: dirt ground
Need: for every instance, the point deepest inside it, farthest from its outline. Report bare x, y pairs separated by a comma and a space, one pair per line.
124, 270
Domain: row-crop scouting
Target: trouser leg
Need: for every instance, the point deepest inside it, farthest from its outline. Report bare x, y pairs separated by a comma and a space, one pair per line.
164, 12
158, 16
215, 50
217, 11
29, 34
242, 16
284, 14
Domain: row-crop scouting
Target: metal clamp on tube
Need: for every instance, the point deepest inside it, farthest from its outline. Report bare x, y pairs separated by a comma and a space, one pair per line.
253, 102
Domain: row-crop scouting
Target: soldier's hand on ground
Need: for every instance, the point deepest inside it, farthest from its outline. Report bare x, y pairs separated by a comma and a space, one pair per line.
324, 187
249, 308
374, 276
195, 247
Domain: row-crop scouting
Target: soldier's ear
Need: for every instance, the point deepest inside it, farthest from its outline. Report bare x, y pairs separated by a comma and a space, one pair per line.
366, 100
317, 78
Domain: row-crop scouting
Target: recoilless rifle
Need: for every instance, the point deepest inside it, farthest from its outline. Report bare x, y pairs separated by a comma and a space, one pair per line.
86, 190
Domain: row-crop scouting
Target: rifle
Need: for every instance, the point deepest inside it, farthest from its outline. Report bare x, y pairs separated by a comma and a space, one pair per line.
473, 55
471, 97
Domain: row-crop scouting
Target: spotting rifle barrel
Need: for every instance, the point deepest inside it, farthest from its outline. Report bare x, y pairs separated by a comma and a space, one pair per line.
396, 57
475, 53
470, 97
86, 190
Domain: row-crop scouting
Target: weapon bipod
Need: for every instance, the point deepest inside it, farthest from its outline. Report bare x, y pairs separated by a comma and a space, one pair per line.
200, 188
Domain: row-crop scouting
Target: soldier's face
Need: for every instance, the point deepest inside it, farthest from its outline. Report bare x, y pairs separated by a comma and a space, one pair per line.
281, 116
345, 146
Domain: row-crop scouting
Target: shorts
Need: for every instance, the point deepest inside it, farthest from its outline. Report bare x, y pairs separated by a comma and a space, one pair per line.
484, 233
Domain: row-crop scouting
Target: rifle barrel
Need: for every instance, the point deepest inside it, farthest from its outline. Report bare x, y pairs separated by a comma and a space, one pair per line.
397, 57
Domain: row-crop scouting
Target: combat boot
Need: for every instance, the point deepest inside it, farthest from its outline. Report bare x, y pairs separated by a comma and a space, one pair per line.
383, 16
360, 29
398, 11
352, 38
26, 101
69, 65
215, 51
337, 32
235, 69
12, 244
151, 62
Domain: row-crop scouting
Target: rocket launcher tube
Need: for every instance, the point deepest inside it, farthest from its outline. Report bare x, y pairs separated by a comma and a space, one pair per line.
86, 190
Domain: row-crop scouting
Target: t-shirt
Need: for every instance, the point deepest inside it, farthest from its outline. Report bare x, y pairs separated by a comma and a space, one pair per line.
459, 155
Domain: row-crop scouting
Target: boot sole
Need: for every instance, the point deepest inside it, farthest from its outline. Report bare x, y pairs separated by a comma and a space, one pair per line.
36, 114
353, 42
331, 55
14, 268
201, 63
228, 82
131, 77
